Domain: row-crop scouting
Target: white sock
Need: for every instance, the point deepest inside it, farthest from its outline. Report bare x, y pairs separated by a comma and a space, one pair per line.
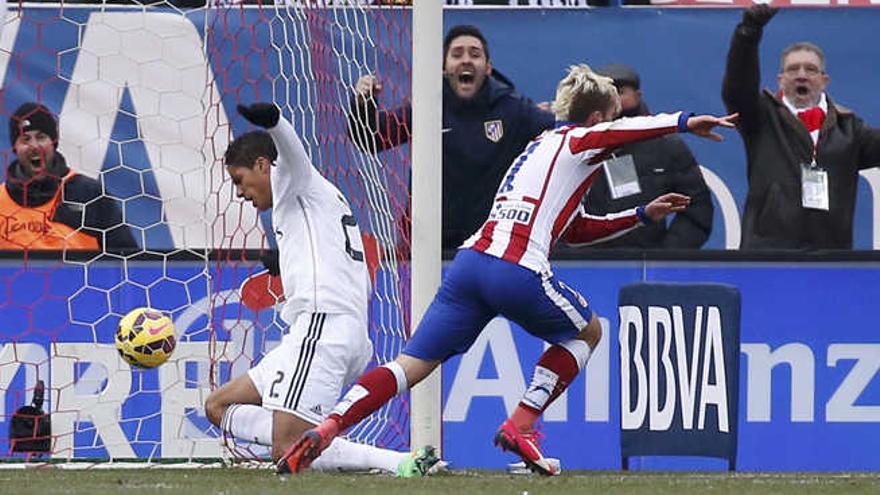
249, 423
579, 350
345, 455
399, 375
253, 423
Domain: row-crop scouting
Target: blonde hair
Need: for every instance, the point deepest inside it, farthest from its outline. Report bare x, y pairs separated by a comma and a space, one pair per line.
582, 92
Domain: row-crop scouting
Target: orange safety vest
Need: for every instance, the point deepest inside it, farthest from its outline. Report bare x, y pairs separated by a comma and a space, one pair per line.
32, 228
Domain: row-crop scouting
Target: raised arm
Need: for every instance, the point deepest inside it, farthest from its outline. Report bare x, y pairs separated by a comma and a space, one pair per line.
295, 167
594, 140
588, 229
742, 76
371, 129
621, 131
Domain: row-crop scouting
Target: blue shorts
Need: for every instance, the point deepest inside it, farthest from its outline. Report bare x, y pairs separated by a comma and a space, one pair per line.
478, 287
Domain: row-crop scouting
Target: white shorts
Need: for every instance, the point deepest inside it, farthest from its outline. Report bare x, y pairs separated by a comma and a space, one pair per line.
319, 355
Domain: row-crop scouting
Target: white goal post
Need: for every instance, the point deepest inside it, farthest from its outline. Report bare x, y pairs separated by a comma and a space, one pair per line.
427, 176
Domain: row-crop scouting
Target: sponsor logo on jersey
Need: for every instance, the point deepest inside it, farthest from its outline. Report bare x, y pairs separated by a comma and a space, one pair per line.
513, 210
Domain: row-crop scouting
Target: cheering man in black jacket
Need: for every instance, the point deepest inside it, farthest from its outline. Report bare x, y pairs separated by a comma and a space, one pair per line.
804, 150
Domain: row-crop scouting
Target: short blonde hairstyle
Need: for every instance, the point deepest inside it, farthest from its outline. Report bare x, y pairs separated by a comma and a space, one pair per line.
582, 92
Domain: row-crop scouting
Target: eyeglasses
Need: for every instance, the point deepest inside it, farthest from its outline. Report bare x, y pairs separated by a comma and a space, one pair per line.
809, 69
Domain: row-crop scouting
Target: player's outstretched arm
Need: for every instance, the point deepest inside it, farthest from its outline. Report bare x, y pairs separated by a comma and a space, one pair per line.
704, 125
372, 129
664, 205
586, 229
368, 86
292, 156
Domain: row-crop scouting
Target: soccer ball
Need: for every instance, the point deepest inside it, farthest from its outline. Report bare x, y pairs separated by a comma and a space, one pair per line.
145, 338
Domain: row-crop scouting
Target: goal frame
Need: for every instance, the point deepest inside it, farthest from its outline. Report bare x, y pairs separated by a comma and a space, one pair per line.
427, 177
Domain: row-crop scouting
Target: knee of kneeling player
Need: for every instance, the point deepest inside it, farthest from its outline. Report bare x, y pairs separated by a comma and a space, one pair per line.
214, 409
592, 333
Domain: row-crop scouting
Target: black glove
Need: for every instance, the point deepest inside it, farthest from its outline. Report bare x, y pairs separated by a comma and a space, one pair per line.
270, 261
265, 115
759, 15
39, 394
30, 429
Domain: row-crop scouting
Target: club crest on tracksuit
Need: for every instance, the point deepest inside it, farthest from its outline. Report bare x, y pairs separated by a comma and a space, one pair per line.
494, 130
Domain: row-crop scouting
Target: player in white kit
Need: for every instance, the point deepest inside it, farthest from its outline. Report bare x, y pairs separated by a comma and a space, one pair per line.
327, 289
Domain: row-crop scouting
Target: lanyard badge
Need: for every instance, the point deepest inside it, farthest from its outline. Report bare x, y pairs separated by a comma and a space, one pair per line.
814, 187
623, 180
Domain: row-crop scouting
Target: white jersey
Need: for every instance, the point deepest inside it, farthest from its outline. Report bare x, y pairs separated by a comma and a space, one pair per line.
542, 190
320, 250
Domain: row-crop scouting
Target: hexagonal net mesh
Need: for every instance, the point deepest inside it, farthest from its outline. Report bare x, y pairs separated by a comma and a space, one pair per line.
308, 59
131, 207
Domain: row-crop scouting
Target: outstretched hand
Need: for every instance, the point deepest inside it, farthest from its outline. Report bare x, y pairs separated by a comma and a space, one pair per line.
664, 205
702, 125
759, 15
265, 115
367, 86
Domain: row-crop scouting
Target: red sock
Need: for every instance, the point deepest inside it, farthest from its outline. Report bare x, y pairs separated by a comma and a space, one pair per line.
524, 417
545, 387
372, 391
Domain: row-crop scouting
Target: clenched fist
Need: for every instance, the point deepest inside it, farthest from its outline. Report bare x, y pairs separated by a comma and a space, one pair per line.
759, 15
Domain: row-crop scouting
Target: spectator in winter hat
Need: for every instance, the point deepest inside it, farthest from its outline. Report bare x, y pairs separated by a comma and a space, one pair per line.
44, 204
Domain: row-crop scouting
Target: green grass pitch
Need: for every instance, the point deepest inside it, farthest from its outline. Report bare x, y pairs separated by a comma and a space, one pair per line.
248, 481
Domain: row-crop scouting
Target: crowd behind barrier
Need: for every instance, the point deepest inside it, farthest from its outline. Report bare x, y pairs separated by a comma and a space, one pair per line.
500, 133
663, 59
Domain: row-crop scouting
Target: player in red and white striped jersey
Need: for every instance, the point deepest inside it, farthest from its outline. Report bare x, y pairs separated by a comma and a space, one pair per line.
503, 269
541, 193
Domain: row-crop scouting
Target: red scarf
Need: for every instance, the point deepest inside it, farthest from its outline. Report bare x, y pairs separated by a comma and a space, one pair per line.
812, 118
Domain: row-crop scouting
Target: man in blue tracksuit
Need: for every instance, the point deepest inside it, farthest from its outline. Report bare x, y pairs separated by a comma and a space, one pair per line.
486, 124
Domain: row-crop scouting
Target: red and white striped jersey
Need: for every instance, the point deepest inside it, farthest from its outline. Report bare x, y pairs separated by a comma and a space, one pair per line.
586, 229
542, 190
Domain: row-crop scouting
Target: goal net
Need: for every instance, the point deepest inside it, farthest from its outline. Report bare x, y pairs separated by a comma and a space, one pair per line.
145, 97
307, 58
